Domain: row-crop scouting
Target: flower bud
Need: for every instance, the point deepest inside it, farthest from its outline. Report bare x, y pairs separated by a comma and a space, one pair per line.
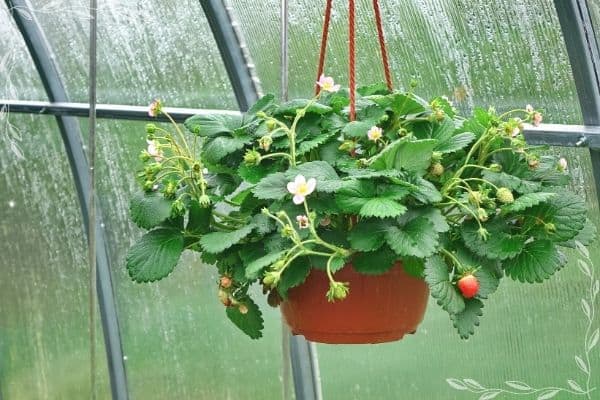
496, 167
271, 125
150, 129
265, 142
550, 227
347, 145
148, 186
252, 157
337, 291
170, 189
271, 278
287, 231
475, 198
482, 215
144, 156
562, 164
204, 201
177, 208
261, 114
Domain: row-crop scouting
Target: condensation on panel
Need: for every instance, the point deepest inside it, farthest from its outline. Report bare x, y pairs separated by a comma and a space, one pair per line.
146, 49
528, 333
177, 339
484, 52
44, 335
18, 78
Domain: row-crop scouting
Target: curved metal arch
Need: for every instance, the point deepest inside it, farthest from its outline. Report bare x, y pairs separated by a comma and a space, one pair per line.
41, 54
234, 52
582, 47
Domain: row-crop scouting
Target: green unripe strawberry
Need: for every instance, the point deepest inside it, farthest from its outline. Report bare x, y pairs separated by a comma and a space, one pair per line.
271, 125
504, 195
436, 169
482, 215
475, 198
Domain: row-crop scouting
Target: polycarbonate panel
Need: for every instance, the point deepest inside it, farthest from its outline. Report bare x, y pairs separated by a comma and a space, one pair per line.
44, 330
18, 78
528, 333
484, 52
594, 8
146, 49
177, 339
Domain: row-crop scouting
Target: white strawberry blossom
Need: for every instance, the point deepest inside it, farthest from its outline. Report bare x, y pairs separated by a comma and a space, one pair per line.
327, 84
154, 150
301, 188
375, 133
562, 164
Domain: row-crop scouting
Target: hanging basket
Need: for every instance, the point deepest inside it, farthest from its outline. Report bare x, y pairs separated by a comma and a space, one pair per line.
378, 309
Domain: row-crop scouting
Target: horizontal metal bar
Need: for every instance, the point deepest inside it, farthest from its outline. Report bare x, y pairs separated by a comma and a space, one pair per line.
550, 134
564, 135
113, 111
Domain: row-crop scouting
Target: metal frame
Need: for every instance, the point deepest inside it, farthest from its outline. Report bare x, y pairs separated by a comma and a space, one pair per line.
582, 47
234, 52
42, 56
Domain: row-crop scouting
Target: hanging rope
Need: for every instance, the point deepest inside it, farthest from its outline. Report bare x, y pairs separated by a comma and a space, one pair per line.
380, 36
352, 50
323, 43
351, 60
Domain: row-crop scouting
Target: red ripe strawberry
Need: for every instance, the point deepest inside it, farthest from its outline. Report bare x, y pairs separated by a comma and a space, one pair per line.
468, 285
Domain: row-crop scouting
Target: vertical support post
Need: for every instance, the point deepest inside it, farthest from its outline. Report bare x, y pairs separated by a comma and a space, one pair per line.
302, 353
582, 47
43, 58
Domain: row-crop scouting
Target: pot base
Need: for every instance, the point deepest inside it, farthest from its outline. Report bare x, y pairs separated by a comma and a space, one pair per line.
378, 309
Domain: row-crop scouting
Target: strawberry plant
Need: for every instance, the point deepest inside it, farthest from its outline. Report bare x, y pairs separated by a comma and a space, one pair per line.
285, 188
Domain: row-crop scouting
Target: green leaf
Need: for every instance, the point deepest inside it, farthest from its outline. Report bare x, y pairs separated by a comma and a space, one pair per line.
254, 173
272, 187
466, 321
357, 129
254, 268
539, 260
336, 264
567, 211
499, 245
292, 106
216, 242
405, 105
406, 155
198, 218
262, 104
502, 179
367, 235
426, 192
416, 238
327, 179
354, 194
311, 144
440, 287
251, 323
155, 255
414, 266
374, 262
455, 143
148, 210
214, 150
382, 208
294, 274
211, 125
526, 201
488, 282
585, 236
434, 215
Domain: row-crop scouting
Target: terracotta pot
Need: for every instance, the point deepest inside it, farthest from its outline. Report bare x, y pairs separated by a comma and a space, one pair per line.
378, 309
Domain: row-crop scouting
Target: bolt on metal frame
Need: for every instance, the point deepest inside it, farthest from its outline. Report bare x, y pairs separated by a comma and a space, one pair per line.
582, 48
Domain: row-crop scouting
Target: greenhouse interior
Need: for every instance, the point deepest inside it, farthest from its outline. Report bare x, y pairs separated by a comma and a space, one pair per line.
359, 199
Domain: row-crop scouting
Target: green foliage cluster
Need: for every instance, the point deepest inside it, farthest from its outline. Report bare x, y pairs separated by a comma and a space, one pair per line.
271, 194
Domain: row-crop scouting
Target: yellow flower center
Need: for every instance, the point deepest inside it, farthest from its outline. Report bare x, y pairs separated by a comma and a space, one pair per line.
302, 189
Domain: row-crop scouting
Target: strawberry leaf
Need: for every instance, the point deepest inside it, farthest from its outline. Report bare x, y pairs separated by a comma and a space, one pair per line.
148, 210
466, 321
251, 323
499, 245
417, 238
216, 242
382, 208
539, 260
438, 279
374, 262
367, 235
155, 255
